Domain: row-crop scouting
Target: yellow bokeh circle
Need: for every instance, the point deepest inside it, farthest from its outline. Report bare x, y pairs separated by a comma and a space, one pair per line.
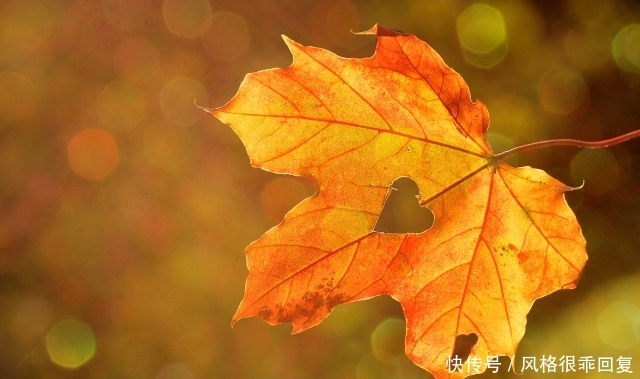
625, 48
482, 35
70, 343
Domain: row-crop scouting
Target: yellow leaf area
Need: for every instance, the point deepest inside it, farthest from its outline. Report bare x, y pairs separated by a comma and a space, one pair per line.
502, 236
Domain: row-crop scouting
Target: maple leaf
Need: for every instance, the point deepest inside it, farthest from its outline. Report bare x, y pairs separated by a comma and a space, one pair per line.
502, 236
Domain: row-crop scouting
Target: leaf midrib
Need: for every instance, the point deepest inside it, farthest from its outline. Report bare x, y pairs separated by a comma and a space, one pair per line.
355, 125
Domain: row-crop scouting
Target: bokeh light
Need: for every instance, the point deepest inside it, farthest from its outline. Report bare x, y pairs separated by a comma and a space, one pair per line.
186, 18
25, 23
227, 37
92, 154
279, 196
482, 35
121, 105
70, 343
626, 48
616, 324
17, 97
387, 340
562, 91
176, 101
598, 169
136, 60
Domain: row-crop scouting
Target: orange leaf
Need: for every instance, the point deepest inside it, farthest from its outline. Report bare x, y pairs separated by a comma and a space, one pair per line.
502, 236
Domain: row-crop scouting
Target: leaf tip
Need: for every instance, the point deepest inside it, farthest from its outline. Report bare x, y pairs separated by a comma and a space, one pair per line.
294, 47
569, 188
297, 328
237, 316
290, 43
210, 110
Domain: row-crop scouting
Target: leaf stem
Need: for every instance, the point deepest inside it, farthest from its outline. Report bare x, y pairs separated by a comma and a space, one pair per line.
569, 142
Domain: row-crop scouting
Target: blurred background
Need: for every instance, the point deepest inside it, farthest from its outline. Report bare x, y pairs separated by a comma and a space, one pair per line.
125, 210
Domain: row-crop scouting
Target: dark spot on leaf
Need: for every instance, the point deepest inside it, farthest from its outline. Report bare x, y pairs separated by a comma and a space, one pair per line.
284, 317
330, 285
523, 257
333, 300
265, 313
463, 345
311, 302
305, 310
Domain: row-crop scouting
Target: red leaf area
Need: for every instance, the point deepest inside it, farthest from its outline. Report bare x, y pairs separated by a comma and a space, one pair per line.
502, 236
